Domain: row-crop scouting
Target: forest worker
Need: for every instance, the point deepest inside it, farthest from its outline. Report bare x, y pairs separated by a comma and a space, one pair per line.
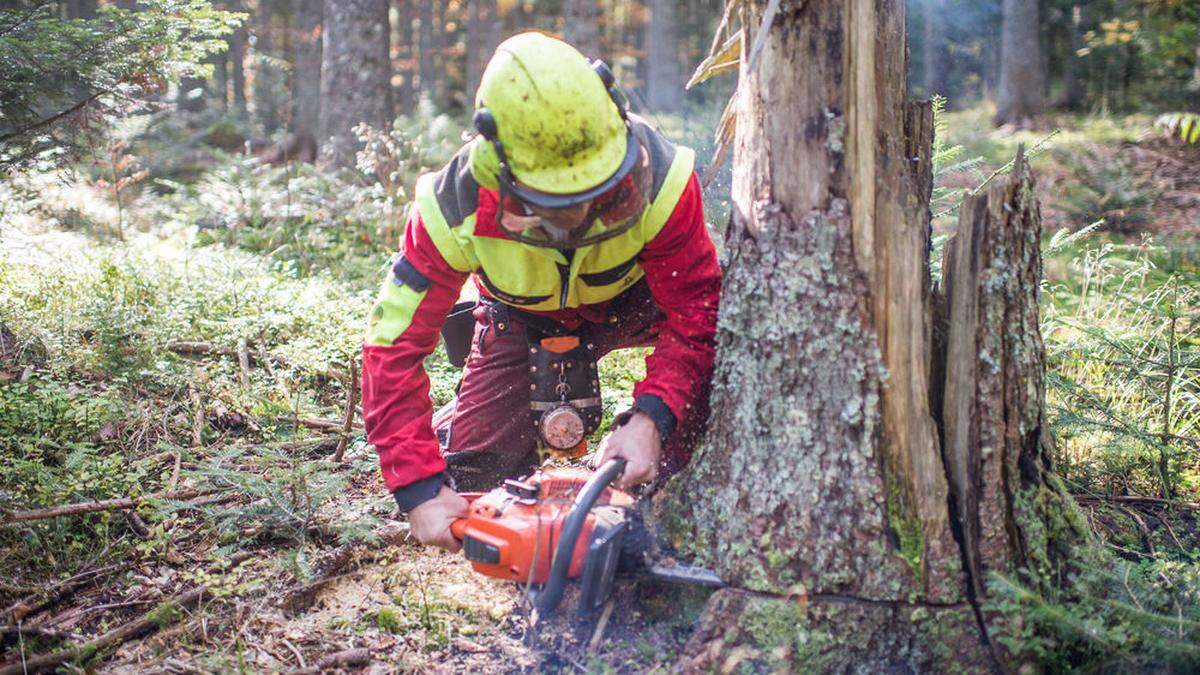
583, 230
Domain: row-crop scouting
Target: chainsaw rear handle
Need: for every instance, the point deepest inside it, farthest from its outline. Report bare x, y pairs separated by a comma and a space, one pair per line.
551, 594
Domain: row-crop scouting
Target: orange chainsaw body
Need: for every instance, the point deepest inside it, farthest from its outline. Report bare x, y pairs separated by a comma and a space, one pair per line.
512, 532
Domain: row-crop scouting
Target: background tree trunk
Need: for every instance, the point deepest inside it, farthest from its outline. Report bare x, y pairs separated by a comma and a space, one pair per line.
355, 76
80, 9
820, 493
936, 57
306, 75
191, 95
664, 80
1020, 96
237, 65
268, 83
581, 26
482, 37
427, 51
1075, 75
406, 57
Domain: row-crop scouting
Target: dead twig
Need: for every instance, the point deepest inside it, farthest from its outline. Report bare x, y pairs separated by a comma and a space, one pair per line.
194, 348
296, 652
1138, 499
321, 423
344, 659
243, 354
151, 621
30, 605
598, 634
331, 565
197, 416
348, 418
119, 504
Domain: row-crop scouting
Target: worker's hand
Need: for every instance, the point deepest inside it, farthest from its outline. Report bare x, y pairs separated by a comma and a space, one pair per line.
638, 443
429, 522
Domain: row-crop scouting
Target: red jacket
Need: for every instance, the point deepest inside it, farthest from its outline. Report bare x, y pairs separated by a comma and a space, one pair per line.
681, 269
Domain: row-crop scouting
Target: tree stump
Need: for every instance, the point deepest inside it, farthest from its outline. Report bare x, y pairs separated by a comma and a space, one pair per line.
852, 536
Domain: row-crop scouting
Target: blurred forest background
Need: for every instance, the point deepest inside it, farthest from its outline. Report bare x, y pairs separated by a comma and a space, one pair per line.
198, 200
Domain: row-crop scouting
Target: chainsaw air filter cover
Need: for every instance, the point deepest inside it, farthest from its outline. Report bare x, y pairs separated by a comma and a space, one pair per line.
511, 532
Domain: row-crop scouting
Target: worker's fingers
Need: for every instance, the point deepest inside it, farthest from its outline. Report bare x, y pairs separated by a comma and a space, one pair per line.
448, 541
636, 472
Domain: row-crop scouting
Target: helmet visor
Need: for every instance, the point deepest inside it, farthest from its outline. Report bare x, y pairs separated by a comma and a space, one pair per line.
605, 216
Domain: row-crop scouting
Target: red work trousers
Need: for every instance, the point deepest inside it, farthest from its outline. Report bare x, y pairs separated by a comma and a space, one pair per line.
490, 433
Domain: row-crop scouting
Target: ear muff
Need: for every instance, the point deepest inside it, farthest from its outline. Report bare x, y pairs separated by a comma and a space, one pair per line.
610, 85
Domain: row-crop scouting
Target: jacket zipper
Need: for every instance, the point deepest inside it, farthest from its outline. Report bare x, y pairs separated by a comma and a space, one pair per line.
564, 275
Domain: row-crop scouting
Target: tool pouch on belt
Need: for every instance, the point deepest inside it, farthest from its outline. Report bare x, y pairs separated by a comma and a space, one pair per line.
564, 390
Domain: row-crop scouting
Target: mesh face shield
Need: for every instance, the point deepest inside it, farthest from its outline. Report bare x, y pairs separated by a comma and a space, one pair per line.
607, 215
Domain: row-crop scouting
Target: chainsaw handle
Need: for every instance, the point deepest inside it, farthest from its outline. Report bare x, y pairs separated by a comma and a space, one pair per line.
572, 526
458, 527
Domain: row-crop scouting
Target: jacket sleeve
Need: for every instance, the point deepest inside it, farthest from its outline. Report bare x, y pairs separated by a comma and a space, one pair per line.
414, 300
685, 281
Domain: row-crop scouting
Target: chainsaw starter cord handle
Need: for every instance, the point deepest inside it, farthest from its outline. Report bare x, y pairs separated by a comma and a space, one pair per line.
551, 594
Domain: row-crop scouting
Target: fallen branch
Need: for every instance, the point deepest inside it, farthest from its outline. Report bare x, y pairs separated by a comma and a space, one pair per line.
1138, 499
166, 612
344, 659
197, 416
118, 504
243, 354
193, 348
322, 423
332, 564
348, 416
30, 604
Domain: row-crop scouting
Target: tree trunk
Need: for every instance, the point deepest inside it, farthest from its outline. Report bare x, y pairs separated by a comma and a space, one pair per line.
237, 65
356, 77
80, 9
221, 79
1196, 67
935, 55
269, 83
406, 55
482, 38
581, 26
1020, 95
427, 51
664, 80
306, 77
190, 97
1075, 78
820, 493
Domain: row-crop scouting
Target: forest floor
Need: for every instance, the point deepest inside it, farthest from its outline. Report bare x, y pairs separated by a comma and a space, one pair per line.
202, 370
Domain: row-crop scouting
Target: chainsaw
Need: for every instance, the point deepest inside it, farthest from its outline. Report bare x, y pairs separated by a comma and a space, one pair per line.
559, 525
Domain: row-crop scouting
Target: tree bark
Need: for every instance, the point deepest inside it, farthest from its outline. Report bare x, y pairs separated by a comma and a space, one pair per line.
427, 51
237, 65
271, 49
405, 51
581, 26
1196, 67
80, 9
1020, 96
664, 79
1074, 77
356, 76
306, 77
820, 493
935, 55
190, 96
482, 37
